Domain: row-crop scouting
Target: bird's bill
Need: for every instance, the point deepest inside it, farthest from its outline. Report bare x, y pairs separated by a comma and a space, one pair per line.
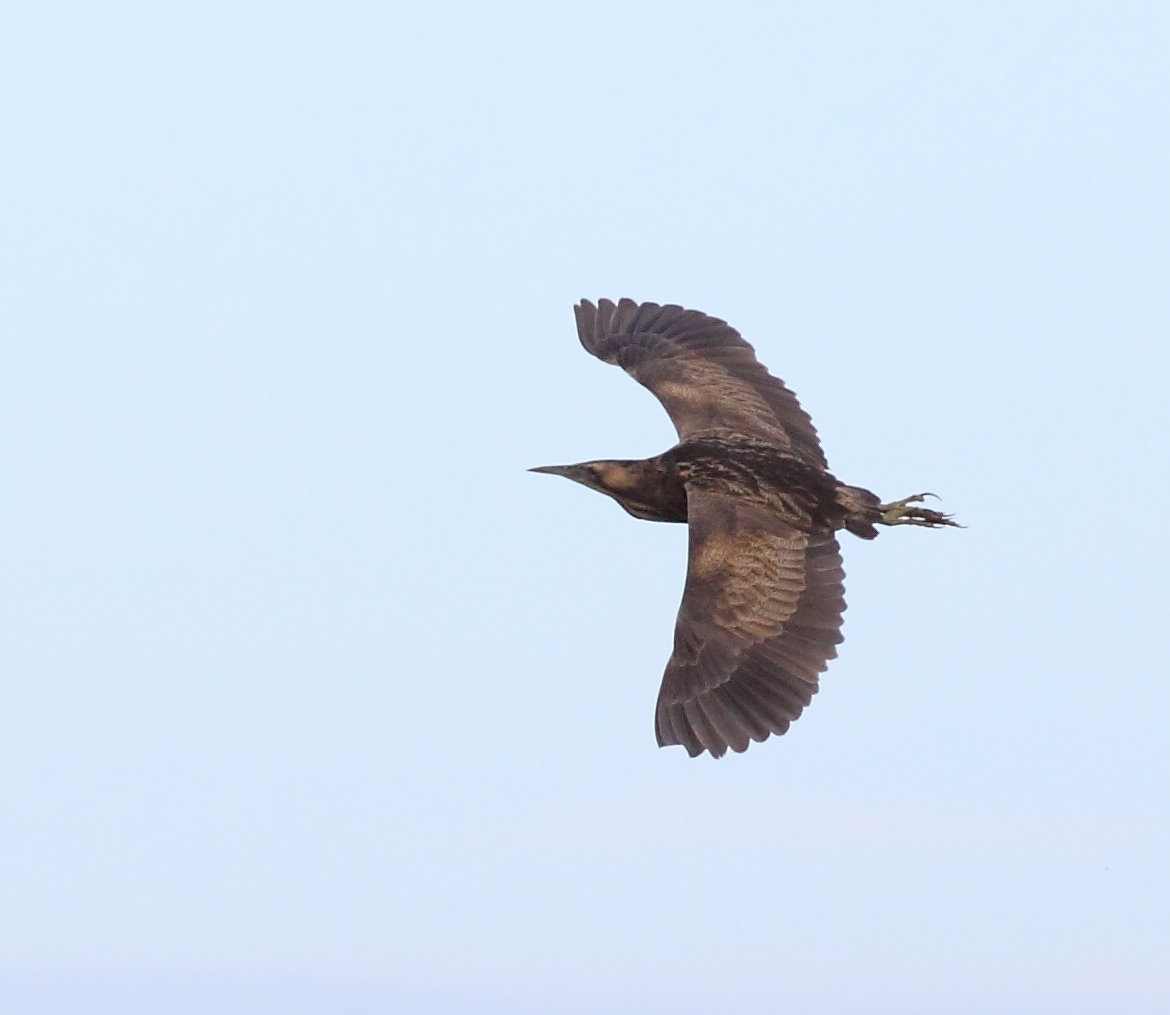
555, 470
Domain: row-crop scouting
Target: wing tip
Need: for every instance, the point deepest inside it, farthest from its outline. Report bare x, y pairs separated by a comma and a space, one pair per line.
591, 320
600, 325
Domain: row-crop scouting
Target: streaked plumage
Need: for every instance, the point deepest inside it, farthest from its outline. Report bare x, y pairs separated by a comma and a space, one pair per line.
762, 607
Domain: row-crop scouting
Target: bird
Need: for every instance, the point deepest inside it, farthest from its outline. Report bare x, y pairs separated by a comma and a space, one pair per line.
763, 598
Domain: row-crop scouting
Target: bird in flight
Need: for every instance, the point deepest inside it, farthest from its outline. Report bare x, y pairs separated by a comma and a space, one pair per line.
761, 609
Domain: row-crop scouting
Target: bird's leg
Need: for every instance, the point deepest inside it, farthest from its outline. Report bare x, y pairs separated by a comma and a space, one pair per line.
901, 512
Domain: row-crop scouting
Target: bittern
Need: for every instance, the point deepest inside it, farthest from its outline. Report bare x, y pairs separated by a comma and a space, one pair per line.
762, 604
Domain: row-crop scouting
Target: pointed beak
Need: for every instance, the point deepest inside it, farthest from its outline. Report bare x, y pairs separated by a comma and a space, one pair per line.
555, 470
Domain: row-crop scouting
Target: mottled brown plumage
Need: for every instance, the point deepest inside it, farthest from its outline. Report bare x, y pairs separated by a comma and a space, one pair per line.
761, 611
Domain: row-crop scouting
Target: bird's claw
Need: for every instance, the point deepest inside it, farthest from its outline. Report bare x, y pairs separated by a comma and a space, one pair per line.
900, 512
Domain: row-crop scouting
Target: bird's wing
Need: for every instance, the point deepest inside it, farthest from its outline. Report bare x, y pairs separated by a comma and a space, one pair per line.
759, 620
701, 370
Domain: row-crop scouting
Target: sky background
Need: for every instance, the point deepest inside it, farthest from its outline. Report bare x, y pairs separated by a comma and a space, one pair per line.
314, 700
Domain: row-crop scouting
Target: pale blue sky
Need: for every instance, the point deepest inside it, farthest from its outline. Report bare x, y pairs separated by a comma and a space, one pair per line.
313, 700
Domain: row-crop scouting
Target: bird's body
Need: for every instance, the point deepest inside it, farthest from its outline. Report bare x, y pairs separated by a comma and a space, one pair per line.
655, 489
761, 612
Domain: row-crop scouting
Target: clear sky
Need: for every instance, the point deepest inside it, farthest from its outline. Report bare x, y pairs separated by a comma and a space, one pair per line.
314, 700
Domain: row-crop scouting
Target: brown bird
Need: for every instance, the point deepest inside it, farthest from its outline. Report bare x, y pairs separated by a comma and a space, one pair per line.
761, 610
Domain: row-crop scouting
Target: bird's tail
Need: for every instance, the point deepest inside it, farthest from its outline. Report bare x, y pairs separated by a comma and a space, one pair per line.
862, 510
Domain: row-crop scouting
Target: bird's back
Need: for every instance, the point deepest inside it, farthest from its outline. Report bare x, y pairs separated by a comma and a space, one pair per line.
752, 470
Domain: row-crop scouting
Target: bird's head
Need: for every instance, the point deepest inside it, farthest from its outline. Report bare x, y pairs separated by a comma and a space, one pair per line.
613, 478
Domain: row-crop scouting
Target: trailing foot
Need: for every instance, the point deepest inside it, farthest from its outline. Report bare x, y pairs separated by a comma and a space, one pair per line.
906, 512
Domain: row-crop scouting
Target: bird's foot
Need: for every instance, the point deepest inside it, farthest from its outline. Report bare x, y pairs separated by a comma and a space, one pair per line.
902, 512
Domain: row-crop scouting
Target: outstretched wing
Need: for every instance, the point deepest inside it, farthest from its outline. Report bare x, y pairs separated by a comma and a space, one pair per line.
701, 370
759, 621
